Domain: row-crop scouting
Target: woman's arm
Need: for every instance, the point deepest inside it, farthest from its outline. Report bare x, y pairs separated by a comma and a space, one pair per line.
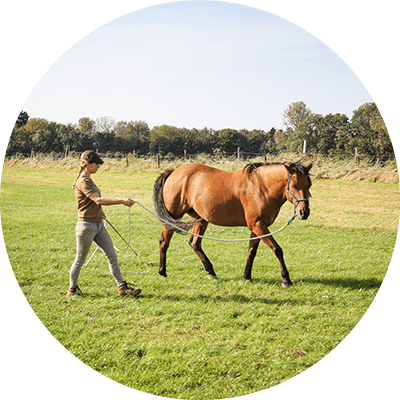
109, 202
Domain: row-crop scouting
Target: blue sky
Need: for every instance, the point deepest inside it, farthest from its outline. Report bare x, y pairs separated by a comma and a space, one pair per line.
196, 64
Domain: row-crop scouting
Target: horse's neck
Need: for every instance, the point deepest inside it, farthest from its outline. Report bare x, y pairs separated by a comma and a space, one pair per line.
274, 179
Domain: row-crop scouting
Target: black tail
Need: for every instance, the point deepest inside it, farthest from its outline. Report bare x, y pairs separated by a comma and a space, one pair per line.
165, 218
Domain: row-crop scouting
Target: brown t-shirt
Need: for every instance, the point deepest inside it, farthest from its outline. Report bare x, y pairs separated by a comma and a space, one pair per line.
88, 210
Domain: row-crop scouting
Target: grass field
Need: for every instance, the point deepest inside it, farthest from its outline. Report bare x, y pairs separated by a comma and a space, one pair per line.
186, 331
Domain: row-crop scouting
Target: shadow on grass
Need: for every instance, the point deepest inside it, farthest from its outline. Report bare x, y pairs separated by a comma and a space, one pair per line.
352, 283
349, 282
234, 298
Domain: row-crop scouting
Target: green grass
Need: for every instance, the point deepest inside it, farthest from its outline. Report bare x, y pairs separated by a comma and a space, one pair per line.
186, 332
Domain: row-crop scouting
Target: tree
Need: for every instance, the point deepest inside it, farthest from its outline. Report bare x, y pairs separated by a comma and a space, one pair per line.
269, 144
132, 136
369, 133
86, 125
137, 128
165, 140
105, 124
199, 141
104, 142
255, 140
22, 119
120, 128
332, 133
294, 114
35, 124
70, 137
320, 132
330, 127
308, 130
281, 139
20, 141
228, 140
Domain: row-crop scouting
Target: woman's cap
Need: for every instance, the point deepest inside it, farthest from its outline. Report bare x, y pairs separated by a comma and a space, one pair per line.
92, 157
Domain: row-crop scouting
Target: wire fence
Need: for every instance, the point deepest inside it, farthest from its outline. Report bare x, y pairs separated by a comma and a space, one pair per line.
239, 154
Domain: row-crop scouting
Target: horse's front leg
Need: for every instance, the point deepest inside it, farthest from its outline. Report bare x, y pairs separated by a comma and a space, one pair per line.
251, 254
261, 229
165, 239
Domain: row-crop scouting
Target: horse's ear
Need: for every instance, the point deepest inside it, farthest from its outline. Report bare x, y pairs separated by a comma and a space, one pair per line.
290, 169
309, 167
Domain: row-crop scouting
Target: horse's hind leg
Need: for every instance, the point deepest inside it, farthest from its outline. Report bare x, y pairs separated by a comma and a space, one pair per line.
199, 227
165, 239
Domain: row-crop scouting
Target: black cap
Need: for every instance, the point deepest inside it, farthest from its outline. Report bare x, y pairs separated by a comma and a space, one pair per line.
92, 157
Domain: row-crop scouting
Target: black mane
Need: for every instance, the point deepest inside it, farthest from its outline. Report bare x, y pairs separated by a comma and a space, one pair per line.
297, 167
249, 168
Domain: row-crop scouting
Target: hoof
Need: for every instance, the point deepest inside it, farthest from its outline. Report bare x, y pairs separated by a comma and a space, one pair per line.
286, 284
209, 276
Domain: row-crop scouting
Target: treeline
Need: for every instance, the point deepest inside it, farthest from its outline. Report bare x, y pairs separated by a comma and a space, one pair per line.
333, 134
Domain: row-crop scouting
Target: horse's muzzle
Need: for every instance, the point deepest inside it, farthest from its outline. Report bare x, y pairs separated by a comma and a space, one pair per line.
304, 213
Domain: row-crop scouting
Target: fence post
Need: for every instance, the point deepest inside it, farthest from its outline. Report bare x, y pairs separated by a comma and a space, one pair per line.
238, 153
184, 154
356, 156
305, 147
32, 153
158, 161
127, 159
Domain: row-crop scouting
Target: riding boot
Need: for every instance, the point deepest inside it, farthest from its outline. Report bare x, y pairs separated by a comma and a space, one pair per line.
124, 289
74, 291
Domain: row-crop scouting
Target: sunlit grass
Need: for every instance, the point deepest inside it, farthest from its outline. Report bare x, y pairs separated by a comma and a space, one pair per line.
185, 332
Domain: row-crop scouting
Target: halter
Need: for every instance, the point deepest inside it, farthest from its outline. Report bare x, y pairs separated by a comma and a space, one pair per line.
295, 202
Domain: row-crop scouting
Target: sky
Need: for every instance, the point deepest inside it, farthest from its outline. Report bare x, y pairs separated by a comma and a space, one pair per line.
196, 64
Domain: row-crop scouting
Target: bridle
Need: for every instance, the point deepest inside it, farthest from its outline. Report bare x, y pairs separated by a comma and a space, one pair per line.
295, 201
294, 198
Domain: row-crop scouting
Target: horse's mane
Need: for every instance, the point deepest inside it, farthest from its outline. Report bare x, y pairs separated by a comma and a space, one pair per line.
249, 168
297, 167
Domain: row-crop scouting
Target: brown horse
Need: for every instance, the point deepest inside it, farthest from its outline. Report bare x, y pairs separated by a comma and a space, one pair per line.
252, 197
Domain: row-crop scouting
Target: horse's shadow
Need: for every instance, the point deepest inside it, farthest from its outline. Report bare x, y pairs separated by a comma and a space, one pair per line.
233, 298
351, 283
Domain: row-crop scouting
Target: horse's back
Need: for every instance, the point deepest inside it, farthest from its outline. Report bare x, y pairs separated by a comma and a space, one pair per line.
212, 193
188, 180
195, 178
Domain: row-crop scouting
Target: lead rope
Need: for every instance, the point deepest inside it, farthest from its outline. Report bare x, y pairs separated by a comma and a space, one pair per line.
127, 244
216, 239
191, 233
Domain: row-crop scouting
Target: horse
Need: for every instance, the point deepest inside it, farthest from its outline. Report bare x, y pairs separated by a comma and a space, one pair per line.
251, 197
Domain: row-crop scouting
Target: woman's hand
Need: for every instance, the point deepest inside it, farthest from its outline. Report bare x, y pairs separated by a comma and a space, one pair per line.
128, 202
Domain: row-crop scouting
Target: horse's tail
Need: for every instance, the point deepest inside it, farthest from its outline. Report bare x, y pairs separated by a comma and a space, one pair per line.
165, 218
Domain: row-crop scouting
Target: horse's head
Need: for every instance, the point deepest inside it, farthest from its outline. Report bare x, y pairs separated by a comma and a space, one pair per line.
298, 188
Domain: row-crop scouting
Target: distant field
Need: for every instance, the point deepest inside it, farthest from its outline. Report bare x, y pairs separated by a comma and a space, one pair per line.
324, 167
186, 332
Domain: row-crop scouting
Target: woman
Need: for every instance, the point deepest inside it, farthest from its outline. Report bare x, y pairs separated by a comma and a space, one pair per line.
90, 227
